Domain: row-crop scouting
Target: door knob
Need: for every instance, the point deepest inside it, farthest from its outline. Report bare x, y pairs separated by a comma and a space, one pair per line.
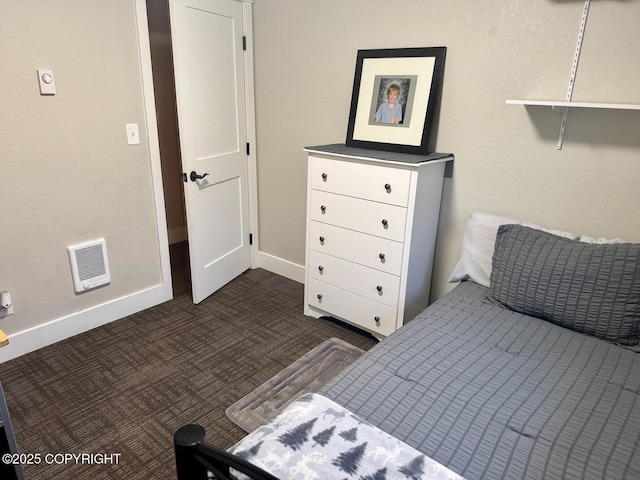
194, 176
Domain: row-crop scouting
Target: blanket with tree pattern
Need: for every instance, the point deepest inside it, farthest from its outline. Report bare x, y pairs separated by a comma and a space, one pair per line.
315, 438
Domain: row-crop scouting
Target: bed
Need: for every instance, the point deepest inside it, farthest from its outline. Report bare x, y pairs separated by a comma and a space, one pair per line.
528, 368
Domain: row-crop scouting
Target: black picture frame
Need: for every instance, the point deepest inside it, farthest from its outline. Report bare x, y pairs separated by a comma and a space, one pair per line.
418, 74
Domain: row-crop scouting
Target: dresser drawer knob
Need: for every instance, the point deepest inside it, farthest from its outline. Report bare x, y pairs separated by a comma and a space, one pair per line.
319, 296
381, 256
387, 187
377, 319
385, 222
379, 288
321, 239
324, 177
323, 209
320, 268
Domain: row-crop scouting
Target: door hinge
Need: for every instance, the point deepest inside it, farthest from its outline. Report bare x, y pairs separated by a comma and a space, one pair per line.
244, 43
248, 149
251, 239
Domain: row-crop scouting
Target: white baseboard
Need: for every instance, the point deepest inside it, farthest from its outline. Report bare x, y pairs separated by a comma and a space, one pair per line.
31, 339
61, 328
280, 266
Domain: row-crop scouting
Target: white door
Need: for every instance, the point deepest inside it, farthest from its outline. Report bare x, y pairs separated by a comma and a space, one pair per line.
210, 96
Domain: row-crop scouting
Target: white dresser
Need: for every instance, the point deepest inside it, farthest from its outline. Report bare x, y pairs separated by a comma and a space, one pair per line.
372, 220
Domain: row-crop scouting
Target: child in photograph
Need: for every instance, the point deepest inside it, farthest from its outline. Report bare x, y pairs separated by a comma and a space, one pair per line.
390, 111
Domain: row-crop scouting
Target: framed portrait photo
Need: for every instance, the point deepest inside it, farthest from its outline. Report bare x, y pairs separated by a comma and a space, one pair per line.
395, 94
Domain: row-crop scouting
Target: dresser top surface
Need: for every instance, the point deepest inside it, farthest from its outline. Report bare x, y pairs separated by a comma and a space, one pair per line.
341, 149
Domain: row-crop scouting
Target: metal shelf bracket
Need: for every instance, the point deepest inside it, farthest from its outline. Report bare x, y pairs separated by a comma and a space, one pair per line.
574, 68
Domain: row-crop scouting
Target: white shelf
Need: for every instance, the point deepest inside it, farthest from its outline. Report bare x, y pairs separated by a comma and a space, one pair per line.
565, 106
561, 104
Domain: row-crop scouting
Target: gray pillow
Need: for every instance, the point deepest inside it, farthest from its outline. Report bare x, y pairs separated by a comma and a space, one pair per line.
590, 288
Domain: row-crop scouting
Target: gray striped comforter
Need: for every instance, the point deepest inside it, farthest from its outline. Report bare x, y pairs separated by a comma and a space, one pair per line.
493, 394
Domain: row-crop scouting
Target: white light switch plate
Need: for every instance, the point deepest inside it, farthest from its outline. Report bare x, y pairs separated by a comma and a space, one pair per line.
133, 137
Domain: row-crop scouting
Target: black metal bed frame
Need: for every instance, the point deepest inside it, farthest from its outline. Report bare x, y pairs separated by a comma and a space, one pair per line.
195, 458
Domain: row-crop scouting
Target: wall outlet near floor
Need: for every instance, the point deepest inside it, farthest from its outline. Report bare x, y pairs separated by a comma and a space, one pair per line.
6, 307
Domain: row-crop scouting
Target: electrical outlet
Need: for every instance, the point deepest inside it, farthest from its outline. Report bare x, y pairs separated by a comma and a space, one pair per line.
6, 306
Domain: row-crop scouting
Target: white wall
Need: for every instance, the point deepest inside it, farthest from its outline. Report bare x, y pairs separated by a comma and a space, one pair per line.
67, 173
506, 158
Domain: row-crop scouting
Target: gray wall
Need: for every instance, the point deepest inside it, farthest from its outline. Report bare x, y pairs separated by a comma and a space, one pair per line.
506, 158
67, 174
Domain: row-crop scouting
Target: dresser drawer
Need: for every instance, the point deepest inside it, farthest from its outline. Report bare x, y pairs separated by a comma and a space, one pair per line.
380, 219
358, 310
373, 284
375, 252
373, 182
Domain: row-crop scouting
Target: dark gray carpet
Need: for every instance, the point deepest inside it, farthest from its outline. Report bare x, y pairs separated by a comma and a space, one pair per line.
305, 375
127, 386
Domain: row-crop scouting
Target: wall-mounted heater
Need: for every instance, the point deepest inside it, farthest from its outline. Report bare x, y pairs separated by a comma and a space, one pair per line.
89, 264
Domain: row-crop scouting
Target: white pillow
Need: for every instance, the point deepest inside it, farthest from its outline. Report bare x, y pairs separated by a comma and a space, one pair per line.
478, 243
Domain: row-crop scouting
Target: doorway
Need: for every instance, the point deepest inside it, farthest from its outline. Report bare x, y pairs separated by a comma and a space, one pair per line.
198, 49
165, 99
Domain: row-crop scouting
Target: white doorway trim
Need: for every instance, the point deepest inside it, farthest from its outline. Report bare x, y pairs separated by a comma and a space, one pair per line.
247, 31
151, 125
